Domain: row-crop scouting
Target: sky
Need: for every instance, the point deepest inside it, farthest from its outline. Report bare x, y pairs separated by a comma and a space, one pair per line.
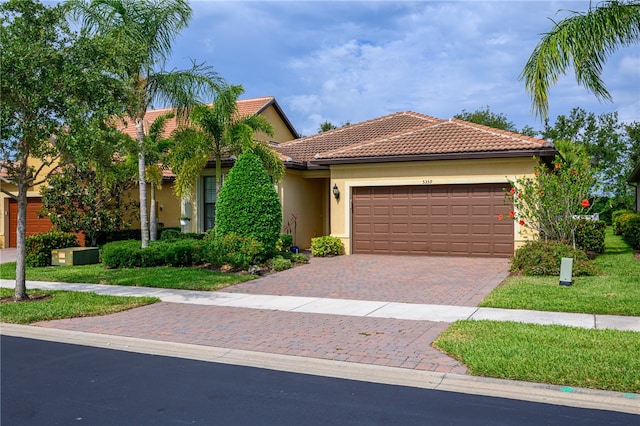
350, 61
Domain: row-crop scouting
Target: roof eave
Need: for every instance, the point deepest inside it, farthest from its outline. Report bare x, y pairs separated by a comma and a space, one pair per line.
542, 152
634, 177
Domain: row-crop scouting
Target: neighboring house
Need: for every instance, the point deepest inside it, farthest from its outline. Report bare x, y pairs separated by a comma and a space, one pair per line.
9, 211
170, 208
408, 183
200, 207
634, 180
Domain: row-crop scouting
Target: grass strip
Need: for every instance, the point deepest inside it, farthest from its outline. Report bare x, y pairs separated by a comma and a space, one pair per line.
566, 356
65, 304
160, 277
616, 292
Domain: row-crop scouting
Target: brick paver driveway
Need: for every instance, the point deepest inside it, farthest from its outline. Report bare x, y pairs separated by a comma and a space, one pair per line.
379, 341
456, 281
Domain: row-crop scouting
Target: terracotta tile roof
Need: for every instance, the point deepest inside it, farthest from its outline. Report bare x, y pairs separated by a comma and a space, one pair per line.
245, 107
407, 134
306, 149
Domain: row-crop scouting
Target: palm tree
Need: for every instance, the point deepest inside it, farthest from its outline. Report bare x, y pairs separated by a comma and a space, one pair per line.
584, 41
142, 32
219, 131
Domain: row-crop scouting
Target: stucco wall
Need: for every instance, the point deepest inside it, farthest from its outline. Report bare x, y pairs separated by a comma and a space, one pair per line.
420, 173
305, 195
281, 132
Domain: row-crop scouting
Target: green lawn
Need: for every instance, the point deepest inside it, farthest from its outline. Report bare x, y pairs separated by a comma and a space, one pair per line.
65, 304
567, 356
616, 292
162, 277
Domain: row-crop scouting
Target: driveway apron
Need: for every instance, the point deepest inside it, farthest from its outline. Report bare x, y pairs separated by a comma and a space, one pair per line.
378, 341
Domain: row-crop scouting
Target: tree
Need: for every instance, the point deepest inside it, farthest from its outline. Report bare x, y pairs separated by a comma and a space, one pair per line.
79, 199
584, 41
156, 149
327, 125
488, 118
248, 204
610, 146
142, 33
548, 201
57, 91
218, 131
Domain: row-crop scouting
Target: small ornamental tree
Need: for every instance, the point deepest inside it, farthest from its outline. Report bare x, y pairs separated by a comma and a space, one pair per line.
248, 204
548, 201
80, 200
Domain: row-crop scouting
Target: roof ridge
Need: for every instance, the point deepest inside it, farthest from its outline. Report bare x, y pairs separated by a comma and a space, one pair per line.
356, 125
499, 132
380, 139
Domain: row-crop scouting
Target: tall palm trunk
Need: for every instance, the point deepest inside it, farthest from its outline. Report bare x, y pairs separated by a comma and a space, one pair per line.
153, 219
21, 285
142, 183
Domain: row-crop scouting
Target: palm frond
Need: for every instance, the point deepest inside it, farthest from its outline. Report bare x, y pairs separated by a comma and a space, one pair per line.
584, 41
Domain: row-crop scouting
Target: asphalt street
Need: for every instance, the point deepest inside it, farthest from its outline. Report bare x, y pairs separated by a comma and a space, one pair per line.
47, 383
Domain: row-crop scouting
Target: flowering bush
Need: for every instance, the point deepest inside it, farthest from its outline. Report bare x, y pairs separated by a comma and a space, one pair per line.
548, 201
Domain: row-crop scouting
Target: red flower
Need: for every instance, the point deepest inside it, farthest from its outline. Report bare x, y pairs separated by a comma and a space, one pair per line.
512, 191
519, 195
500, 216
521, 222
512, 213
535, 172
585, 204
575, 172
558, 165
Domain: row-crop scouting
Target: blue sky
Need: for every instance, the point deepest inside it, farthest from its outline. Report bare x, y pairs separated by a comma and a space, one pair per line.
352, 61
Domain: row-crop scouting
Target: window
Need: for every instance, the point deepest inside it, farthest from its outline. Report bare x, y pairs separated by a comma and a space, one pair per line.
209, 201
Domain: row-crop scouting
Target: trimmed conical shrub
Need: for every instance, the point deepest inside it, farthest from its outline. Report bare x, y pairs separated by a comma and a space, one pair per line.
248, 204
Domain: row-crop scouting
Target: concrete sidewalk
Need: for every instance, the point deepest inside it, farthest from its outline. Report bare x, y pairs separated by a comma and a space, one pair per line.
357, 308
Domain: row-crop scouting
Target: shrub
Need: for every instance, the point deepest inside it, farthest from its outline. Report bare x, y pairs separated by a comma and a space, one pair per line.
590, 235
299, 258
544, 257
122, 254
629, 226
279, 263
170, 234
119, 235
248, 204
39, 246
183, 252
175, 234
619, 218
236, 250
284, 242
327, 246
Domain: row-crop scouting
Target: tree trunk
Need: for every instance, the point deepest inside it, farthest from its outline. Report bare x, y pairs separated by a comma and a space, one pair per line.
153, 219
21, 251
142, 184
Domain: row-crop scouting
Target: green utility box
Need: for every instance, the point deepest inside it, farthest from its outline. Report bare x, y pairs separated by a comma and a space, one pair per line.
75, 256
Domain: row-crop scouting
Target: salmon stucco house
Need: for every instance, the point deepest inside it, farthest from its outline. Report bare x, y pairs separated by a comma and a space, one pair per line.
408, 183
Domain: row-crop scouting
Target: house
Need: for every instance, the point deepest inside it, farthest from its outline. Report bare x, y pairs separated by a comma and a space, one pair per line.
408, 183
168, 205
404, 183
634, 180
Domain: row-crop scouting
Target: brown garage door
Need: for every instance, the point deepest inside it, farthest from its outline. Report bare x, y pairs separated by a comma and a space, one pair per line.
454, 220
35, 225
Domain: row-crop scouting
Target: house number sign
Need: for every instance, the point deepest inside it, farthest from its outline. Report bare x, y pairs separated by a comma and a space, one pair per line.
427, 181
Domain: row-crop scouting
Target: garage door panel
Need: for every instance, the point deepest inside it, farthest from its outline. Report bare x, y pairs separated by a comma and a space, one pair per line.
439, 219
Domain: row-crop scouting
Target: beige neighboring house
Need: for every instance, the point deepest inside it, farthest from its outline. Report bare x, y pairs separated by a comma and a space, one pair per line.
170, 208
410, 184
200, 207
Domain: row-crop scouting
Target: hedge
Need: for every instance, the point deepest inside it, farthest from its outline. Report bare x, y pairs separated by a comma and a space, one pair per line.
39, 246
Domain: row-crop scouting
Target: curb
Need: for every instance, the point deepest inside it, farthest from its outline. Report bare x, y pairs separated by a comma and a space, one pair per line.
525, 391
